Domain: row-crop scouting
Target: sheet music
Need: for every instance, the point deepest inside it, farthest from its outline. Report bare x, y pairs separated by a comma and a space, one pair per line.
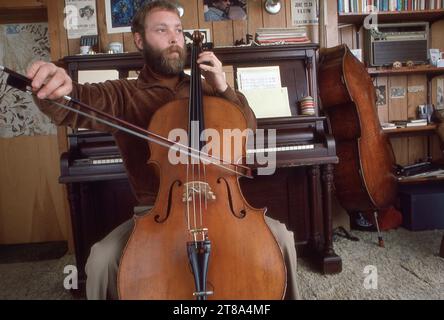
268, 103
258, 78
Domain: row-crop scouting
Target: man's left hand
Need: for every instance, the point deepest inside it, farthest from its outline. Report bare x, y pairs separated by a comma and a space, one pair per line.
212, 71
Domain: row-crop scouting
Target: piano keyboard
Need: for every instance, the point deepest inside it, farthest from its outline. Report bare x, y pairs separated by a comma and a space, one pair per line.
117, 160
98, 161
107, 161
283, 148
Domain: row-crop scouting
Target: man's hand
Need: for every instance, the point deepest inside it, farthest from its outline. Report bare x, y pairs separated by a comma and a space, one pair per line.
49, 81
212, 71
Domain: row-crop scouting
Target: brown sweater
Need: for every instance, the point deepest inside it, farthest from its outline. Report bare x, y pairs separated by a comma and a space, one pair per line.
135, 101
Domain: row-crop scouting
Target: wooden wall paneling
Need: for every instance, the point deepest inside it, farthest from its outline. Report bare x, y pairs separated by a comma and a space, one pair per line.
436, 38
289, 21
240, 30
105, 38
31, 199
223, 33
190, 19
347, 36
436, 148
400, 148
255, 13
397, 106
383, 110
278, 20
398, 111
361, 38
128, 42
417, 145
417, 149
416, 98
23, 4
73, 46
332, 38
29, 15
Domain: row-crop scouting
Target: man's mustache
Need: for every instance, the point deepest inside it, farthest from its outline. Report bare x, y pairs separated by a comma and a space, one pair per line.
175, 48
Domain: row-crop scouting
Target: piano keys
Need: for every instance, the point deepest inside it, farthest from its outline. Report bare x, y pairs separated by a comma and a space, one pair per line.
300, 141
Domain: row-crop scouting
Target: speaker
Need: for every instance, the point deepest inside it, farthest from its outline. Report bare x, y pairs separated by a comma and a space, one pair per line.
397, 42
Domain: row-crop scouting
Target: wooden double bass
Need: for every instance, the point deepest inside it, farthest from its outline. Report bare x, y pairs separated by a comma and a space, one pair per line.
365, 176
201, 240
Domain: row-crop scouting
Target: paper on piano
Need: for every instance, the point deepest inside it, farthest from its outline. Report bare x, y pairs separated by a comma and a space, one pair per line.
258, 78
268, 103
97, 76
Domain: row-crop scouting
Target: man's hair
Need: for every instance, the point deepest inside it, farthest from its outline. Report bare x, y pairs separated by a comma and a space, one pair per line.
138, 23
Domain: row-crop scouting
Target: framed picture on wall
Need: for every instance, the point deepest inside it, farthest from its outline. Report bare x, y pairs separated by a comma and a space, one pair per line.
188, 34
120, 13
219, 10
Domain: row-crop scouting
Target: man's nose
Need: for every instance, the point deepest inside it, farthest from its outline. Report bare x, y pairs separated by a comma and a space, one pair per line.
173, 37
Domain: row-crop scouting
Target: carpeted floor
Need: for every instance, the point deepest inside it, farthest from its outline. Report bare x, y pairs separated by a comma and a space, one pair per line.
407, 268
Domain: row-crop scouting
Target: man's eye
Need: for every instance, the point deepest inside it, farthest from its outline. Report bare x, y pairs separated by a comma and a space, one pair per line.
179, 30
160, 30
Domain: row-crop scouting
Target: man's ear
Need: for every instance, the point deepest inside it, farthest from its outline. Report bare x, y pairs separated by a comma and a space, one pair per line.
138, 41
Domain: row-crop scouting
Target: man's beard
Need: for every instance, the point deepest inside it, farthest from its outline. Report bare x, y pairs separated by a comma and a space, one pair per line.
160, 61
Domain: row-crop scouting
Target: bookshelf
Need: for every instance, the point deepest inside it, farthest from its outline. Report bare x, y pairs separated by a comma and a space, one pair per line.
428, 70
409, 131
392, 16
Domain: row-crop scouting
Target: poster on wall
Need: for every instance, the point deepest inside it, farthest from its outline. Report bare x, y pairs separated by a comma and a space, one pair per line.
381, 95
304, 12
120, 13
80, 18
20, 46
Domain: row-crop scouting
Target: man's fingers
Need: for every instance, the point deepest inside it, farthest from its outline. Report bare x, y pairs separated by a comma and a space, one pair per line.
32, 70
209, 57
43, 73
208, 68
56, 81
60, 92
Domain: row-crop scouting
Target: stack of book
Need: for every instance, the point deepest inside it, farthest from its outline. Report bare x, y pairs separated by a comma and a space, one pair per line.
281, 36
404, 124
416, 123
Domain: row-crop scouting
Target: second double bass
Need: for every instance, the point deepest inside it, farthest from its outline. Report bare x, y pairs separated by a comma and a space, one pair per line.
201, 240
365, 176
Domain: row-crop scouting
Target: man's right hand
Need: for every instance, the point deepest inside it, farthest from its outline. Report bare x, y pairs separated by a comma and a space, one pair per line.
49, 81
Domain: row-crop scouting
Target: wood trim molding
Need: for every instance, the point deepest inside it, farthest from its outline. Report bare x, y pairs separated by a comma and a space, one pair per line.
27, 15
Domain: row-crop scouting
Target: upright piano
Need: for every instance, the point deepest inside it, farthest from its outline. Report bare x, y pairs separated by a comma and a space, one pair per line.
298, 194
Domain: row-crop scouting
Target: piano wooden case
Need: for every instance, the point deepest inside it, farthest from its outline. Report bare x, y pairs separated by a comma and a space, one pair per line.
299, 193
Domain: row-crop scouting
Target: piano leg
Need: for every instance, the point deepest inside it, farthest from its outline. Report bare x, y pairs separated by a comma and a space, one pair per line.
331, 262
315, 241
76, 216
321, 247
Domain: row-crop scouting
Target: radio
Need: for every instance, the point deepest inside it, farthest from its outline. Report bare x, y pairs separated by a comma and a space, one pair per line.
397, 42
